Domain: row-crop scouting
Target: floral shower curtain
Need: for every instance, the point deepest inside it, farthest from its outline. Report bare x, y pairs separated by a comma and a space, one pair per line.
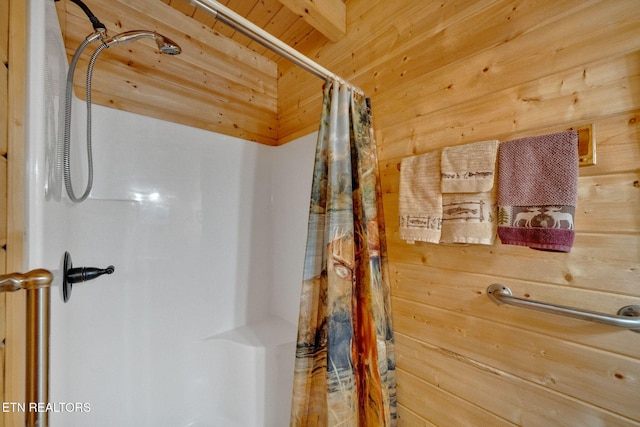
345, 369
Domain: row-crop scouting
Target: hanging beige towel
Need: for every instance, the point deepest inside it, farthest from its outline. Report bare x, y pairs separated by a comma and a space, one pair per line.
469, 168
469, 217
420, 198
468, 193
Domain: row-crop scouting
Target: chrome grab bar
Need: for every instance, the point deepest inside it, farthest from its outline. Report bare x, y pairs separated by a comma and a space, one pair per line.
628, 316
37, 284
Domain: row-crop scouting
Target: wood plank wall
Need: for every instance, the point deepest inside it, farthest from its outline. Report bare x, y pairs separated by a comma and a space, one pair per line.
216, 84
4, 101
13, 311
443, 73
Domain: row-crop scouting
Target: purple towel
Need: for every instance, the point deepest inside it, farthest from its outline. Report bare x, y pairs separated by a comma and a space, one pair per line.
537, 191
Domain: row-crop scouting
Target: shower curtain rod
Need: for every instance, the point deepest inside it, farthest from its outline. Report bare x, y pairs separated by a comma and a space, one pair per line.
227, 16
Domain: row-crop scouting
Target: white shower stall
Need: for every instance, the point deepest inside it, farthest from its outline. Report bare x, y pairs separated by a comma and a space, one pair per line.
197, 325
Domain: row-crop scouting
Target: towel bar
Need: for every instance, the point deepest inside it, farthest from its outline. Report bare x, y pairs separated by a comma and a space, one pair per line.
37, 284
628, 316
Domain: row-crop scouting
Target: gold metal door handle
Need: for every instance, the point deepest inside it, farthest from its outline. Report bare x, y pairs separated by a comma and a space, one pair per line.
34, 279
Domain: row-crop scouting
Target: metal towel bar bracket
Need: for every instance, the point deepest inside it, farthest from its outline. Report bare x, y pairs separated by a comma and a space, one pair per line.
628, 316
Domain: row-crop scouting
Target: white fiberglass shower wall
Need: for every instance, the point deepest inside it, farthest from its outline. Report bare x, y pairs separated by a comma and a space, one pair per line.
196, 327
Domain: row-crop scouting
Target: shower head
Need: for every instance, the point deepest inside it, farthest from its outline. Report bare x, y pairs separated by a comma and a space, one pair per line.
165, 45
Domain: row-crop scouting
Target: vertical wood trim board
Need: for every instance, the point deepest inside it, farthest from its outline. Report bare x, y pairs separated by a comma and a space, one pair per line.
14, 350
4, 88
4, 98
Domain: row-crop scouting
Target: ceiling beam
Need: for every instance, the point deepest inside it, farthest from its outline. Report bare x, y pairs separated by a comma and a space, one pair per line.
327, 16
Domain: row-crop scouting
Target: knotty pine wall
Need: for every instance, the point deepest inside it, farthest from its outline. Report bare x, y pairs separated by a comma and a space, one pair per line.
4, 100
448, 72
215, 84
12, 130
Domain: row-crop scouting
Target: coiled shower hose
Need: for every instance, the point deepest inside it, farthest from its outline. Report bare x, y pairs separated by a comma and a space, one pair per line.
67, 119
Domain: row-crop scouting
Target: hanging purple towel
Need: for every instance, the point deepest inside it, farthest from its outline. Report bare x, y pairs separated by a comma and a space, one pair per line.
537, 191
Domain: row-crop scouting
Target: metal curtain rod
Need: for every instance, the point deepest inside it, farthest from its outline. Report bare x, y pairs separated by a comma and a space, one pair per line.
249, 29
628, 316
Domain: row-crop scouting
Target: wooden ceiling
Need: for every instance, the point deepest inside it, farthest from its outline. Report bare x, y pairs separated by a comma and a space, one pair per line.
222, 81
276, 18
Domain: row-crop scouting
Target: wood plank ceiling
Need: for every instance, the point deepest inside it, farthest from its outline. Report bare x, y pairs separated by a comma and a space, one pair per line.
222, 82
284, 19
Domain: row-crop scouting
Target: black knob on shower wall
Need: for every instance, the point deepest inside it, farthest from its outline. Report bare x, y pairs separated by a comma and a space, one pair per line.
82, 274
73, 275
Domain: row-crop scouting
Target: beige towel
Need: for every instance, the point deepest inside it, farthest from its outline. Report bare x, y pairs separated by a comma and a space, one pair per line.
468, 193
469, 168
469, 217
420, 198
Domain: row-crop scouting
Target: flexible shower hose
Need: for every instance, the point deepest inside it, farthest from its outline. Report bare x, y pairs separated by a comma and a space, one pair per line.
67, 120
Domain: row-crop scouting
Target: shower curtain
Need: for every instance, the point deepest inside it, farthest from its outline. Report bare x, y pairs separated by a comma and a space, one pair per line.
344, 369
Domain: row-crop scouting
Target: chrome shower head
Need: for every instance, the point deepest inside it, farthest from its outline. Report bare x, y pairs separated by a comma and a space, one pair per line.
165, 45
